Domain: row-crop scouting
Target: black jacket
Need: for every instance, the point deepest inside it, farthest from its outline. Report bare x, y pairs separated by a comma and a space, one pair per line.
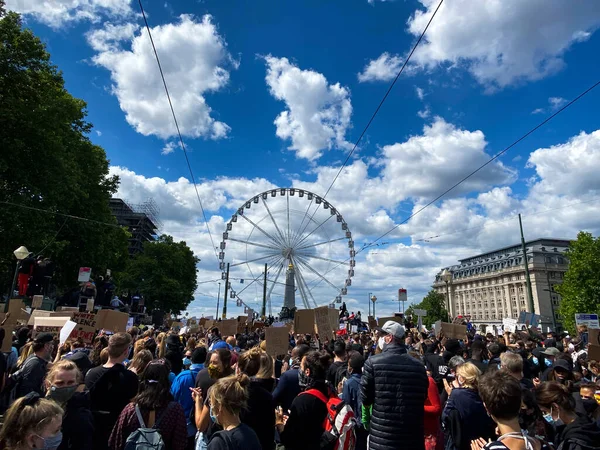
396, 385
582, 433
260, 414
78, 423
305, 424
32, 376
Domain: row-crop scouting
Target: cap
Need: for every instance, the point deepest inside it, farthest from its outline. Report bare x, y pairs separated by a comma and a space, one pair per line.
562, 364
393, 328
43, 338
551, 351
452, 346
81, 360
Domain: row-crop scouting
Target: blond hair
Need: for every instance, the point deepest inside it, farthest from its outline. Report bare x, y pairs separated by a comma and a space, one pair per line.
230, 393
27, 415
470, 373
267, 369
249, 362
26, 352
162, 345
67, 365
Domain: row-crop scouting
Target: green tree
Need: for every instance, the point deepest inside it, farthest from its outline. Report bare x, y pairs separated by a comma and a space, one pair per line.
434, 303
47, 162
164, 273
580, 289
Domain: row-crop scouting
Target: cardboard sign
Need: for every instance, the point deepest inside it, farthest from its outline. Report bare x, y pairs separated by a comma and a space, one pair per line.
594, 347
304, 321
68, 309
453, 330
372, 322
51, 325
84, 274
278, 340
84, 332
7, 342
420, 312
87, 319
37, 301
257, 326
383, 320
509, 324
209, 324
37, 313
202, 321
176, 326
334, 317
89, 306
228, 327
323, 323
114, 321
437, 327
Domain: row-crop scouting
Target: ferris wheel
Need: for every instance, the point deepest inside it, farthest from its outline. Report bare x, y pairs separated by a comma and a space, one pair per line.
298, 239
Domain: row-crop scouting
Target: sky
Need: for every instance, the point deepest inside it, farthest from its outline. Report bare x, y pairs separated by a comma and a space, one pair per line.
273, 94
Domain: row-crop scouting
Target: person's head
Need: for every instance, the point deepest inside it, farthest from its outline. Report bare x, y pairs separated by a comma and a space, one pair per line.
62, 381
140, 360
393, 332
588, 390
220, 363
214, 333
249, 362
501, 395
555, 401
494, 350
155, 390
198, 355
267, 368
512, 363
228, 396
32, 422
299, 351
231, 341
118, 347
313, 368
454, 362
339, 350
550, 353
138, 346
355, 363
103, 358
467, 375
43, 345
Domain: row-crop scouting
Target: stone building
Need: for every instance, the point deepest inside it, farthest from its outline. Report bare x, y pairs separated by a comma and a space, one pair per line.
492, 286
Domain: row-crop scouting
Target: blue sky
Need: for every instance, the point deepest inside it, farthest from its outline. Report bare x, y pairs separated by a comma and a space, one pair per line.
274, 94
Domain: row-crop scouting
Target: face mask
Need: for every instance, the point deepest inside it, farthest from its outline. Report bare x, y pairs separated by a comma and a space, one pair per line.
551, 420
571, 348
381, 343
62, 395
303, 379
187, 361
212, 416
590, 405
548, 363
51, 442
214, 371
535, 360
291, 362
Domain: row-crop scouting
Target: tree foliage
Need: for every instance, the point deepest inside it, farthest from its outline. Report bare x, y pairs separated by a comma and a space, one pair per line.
164, 273
48, 162
580, 290
434, 303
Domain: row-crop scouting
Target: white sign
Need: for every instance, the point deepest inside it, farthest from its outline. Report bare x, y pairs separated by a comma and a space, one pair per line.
354, 329
66, 331
591, 320
130, 323
84, 274
402, 296
509, 324
183, 331
489, 330
420, 312
437, 327
278, 324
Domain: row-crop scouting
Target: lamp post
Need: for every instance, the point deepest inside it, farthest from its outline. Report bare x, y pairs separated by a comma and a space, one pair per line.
21, 253
218, 299
446, 278
374, 299
369, 303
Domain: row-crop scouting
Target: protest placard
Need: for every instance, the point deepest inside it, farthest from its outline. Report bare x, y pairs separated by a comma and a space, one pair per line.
228, 327
84, 332
437, 327
85, 318
7, 342
323, 323
509, 324
208, 324
594, 347
37, 301
66, 331
383, 320
372, 322
453, 330
37, 313
89, 306
278, 340
114, 321
334, 318
304, 321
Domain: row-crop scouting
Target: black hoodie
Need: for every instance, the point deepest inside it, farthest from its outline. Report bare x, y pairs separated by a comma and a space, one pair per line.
78, 423
582, 434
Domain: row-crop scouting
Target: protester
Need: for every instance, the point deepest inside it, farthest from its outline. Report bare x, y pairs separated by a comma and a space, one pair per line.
155, 404
32, 422
396, 385
574, 432
111, 388
288, 387
304, 427
214, 340
139, 362
30, 377
512, 363
174, 353
464, 417
339, 363
434, 438
351, 395
180, 389
265, 376
64, 385
259, 413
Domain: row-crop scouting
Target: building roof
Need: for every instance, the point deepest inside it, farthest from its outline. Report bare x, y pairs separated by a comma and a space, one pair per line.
551, 242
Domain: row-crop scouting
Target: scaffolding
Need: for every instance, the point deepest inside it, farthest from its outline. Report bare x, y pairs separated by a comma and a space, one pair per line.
140, 219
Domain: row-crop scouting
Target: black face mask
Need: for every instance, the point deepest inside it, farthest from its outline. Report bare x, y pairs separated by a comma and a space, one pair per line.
304, 380
526, 420
590, 405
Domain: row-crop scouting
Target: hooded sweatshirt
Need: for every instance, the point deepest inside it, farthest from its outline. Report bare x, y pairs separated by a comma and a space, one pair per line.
578, 434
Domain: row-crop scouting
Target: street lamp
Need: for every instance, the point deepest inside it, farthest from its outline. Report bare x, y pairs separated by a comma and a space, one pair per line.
369, 302
21, 253
374, 299
446, 278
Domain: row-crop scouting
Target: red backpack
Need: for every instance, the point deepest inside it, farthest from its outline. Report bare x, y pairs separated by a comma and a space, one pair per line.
340, 423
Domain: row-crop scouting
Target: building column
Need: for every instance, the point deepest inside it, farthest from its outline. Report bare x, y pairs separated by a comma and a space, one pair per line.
507, 301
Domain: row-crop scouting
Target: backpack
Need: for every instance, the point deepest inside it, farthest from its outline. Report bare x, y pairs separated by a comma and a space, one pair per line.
340, 423
576, 444
145, 438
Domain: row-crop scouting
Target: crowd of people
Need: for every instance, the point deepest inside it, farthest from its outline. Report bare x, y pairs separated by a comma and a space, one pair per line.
383, 389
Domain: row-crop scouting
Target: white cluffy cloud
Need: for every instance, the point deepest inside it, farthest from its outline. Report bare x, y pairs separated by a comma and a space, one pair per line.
384, 68
502, 42
554, 104
195, 61
317, 113
169, 148
56, 13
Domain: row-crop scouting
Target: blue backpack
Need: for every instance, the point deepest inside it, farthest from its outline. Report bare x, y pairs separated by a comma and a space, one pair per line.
145, 438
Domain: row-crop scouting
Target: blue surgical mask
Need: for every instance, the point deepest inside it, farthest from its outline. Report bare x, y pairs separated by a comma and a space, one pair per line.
212, 416
551, 420
548, 363
187, 361
291, 362
535, 360
52, 442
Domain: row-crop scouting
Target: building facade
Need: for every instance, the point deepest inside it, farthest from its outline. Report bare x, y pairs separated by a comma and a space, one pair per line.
492, 286
141, 221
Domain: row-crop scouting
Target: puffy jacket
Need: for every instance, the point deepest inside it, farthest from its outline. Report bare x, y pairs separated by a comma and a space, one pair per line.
396, 385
